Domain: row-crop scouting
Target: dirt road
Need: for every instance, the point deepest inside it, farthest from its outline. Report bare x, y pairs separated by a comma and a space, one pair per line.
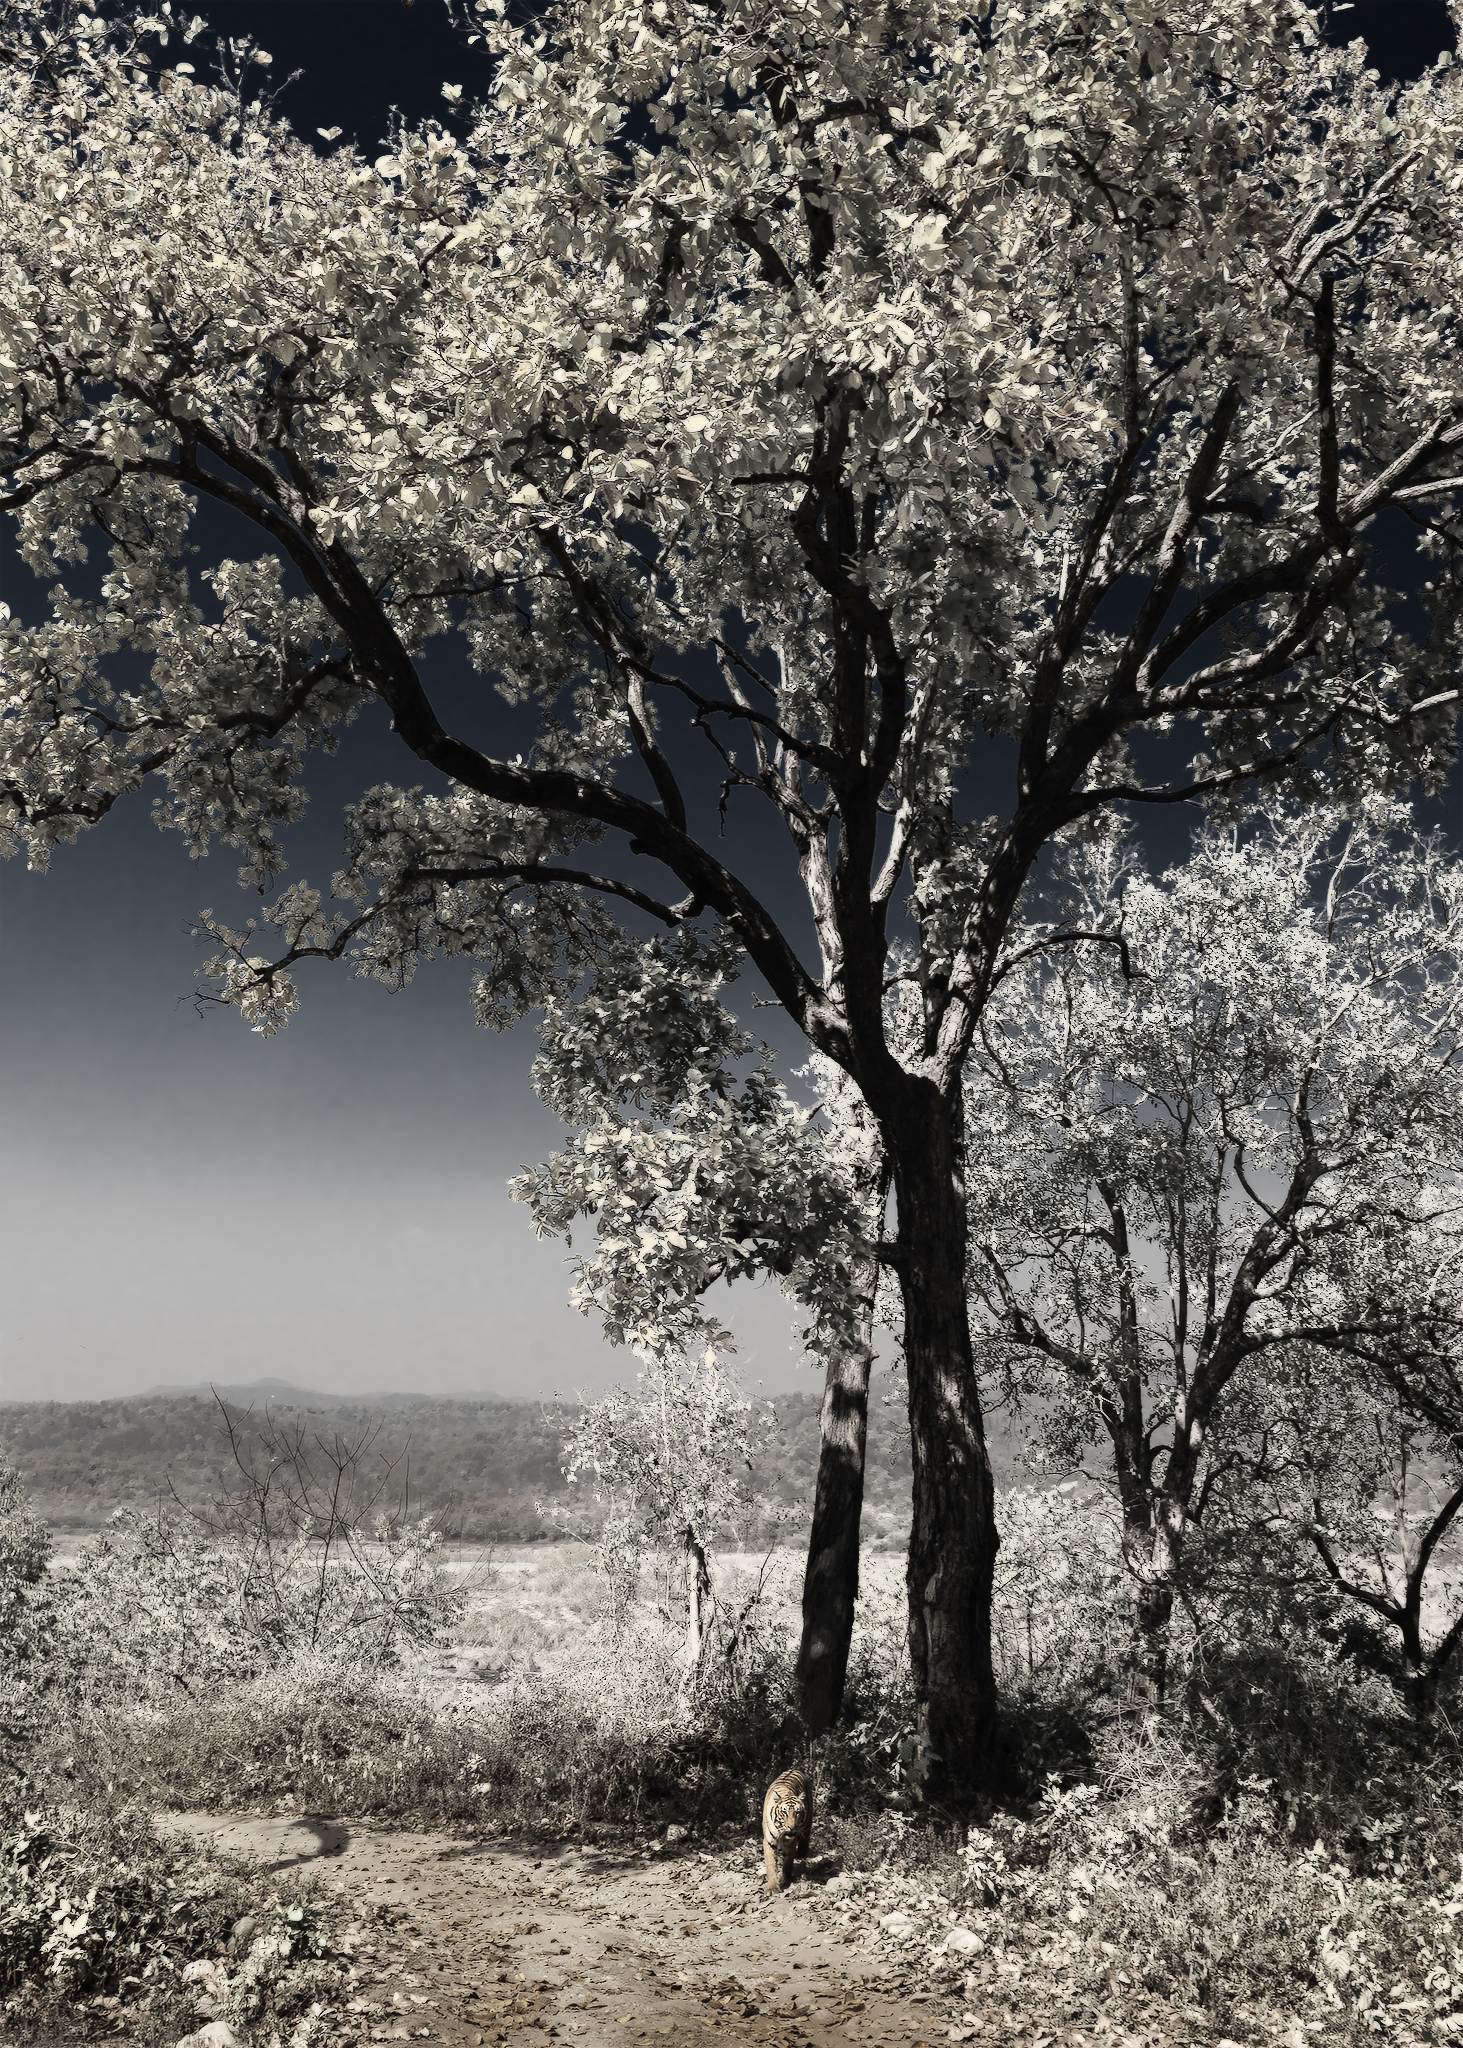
475, 1941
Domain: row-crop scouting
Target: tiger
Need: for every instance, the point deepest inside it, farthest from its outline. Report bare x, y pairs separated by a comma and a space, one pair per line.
787, 1824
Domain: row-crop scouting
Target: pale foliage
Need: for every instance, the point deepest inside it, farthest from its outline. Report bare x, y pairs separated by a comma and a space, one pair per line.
908, 354
25, 1545
26, 1611
696, 1164
1057, 1604
1244, 1911
669, 1462
1184, 1173
924, 348
158, 1606
1341, 1515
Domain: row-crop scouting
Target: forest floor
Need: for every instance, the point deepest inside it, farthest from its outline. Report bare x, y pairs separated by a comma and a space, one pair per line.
467, 1939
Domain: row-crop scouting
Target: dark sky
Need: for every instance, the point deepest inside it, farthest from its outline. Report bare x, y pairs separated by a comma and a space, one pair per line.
185, 1200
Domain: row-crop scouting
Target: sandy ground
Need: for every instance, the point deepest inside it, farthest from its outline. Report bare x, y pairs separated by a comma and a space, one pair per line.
467, 1940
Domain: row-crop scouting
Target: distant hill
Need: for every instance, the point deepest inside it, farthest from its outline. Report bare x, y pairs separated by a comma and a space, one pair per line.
254, 1390
255, 1393
484, 1464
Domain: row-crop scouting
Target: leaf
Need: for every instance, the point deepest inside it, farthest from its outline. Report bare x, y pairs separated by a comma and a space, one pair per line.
928, 239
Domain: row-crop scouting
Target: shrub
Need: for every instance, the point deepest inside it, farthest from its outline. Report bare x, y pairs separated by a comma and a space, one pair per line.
159, 1605
87, 1907
101, 1906
1209, 1920
1060, 1598
27, 1614
558, 1750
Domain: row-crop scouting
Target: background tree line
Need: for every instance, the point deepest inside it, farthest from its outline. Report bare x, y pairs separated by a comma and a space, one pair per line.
482, 1467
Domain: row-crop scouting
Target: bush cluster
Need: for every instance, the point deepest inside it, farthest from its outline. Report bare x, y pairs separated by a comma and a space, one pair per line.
94, 1908
95, 1905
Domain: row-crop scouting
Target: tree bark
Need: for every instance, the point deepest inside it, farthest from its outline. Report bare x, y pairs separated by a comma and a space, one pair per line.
830, 1583
1147, 1553
700, 1601
1421, 1672
1156, 1570
952, 1546
1153, 1620
1420, 1689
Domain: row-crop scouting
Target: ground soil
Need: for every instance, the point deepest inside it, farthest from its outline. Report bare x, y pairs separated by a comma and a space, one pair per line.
465, 1939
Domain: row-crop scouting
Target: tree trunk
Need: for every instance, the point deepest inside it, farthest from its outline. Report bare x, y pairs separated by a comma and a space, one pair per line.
699, 1604
1420, 1672
1152, 1587
830, 1583
1148, 1651
952, 1545
1156, 1569
1420, 1689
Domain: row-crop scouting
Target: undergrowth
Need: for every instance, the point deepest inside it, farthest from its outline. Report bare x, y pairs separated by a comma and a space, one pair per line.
1281, 1835
96, 1908
543, 1755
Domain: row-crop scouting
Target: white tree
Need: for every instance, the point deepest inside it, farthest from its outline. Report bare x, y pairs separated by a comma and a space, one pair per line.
669, 1462
1185, 1169
918, 335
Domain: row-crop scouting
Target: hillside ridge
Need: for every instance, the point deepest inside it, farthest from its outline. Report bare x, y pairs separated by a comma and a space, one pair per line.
488, 1466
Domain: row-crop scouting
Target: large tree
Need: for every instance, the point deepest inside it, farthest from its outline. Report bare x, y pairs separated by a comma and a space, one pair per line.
980, 392
1186, 1168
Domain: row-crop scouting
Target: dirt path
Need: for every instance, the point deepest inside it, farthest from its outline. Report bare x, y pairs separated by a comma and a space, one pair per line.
474, 1941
